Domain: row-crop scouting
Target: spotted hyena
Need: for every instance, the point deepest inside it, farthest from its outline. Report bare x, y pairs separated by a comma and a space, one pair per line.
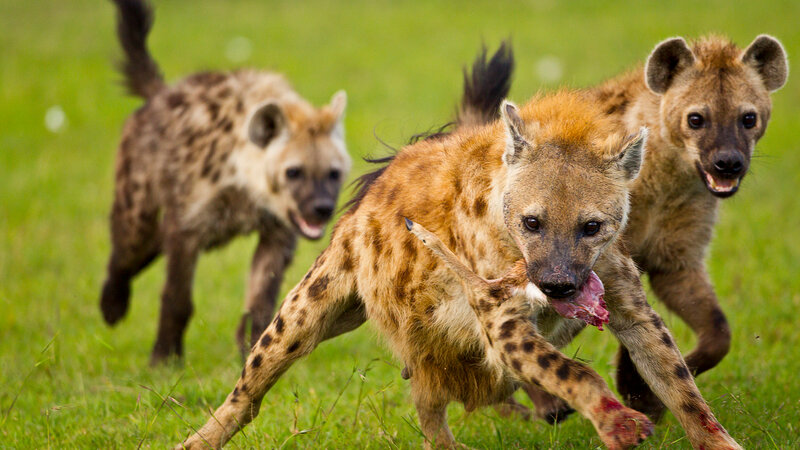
707, 103
214, 156
546, 185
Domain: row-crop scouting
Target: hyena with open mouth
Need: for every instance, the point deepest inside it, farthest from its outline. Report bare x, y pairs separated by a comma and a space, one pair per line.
545, 189
215, 156
707, 103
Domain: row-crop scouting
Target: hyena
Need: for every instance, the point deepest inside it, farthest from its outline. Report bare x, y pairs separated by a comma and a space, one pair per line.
707, 104
548, 185
214, 156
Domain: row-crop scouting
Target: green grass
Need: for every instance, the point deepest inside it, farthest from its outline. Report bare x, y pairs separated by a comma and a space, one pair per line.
67, 380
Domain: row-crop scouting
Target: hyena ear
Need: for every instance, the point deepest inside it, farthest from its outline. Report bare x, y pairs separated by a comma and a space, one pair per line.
338, 104
668, 59
515, 142
631, 158
266, 122
767, 56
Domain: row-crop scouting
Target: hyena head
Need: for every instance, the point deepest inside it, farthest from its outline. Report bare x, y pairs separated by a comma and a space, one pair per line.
299, 161
566, 197
715, 102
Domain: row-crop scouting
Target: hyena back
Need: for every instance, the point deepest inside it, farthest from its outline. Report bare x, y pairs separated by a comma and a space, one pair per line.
215, 156
547, 185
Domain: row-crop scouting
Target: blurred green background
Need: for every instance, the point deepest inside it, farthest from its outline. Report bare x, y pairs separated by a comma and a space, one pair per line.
67, 380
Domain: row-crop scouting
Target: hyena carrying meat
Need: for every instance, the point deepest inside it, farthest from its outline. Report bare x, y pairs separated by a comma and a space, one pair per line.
495, 302
214, 156
547, 185
707, 104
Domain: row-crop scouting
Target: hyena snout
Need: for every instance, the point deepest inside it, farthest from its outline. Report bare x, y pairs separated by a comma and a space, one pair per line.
555, 281
322, 210
729, 164
557, 287
318, 209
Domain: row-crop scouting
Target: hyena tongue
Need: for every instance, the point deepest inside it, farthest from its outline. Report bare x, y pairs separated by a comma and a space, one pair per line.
588, 305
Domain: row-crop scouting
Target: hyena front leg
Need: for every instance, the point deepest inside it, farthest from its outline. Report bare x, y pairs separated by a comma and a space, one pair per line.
273, 254
534, 360
652, 349
321, 306
503, 307
547, 406
181, 251
690, 295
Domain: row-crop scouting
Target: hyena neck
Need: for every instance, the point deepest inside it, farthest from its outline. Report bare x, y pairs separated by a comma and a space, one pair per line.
481, 206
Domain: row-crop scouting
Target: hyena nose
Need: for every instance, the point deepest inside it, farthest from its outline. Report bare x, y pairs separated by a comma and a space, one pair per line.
558, 289
323, 211
728, 163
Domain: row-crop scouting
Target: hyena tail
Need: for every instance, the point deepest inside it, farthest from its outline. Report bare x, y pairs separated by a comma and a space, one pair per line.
486, 87
142, 75
484, 91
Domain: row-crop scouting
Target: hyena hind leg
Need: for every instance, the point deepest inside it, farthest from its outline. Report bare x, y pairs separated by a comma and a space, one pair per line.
511, 407
136, 242
322, 306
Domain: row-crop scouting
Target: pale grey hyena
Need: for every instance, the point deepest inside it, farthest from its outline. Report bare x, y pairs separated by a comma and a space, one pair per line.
212, 157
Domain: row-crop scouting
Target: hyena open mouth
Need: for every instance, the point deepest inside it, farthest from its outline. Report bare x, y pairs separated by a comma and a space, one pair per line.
720, 187
308, 229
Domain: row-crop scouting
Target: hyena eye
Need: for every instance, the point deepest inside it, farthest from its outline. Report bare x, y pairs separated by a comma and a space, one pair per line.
591, 228
294, 173
334, 174
749, 120
531, 223
695, 120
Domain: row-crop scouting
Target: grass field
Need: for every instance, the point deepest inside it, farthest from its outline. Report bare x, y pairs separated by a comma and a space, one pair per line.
67, 380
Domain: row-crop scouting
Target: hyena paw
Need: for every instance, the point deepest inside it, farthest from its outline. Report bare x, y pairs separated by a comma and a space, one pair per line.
114, 300
555, 412
648, 403
512, 408
621, 427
